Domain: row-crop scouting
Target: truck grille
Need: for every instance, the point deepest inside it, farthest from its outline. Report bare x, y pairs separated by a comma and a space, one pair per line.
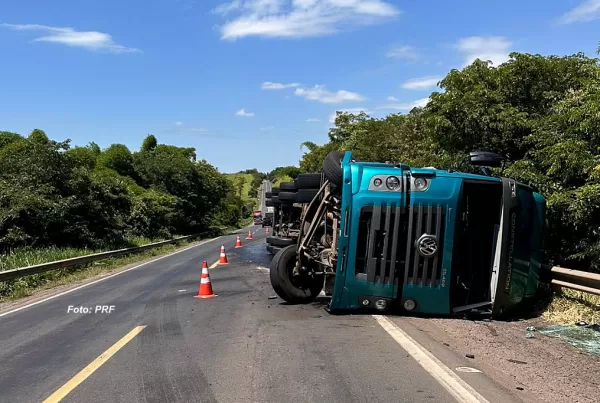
379, 254
430, 220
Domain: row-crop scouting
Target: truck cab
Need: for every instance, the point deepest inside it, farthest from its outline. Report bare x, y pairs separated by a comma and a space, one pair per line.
421, 240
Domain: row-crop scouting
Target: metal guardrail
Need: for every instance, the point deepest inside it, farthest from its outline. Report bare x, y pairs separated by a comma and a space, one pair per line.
575, 280
76, 261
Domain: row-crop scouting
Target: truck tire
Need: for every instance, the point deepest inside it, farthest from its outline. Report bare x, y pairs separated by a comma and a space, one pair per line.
306, 195
274, 191
275, 200
308, 181
332, 167
269, 202
289, 186
268, 195
292, 289
277, 241
285, 196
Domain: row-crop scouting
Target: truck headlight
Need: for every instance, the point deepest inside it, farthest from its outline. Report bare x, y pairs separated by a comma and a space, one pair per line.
420, 183
392, 183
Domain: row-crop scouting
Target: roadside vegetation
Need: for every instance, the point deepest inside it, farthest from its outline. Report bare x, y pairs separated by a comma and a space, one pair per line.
541, 112
59, 201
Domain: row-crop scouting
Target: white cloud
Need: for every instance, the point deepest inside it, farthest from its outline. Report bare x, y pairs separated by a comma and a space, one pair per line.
321, 94
494, 48
421, 83
391, 99
90, 40
348, 110
300, 18
587, 11
419, 103
312, 120
402, 52
268, 85
242, 112
267, 128
178, 123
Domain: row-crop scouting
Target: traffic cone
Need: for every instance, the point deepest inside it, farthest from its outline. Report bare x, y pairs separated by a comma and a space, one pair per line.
205, 290
249, 235
267, 231
223, 257
238, 243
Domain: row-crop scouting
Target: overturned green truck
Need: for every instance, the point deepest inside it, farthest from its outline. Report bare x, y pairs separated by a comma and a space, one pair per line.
390, 237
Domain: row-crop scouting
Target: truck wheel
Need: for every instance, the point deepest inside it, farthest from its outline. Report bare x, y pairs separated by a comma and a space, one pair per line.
300, 289
268, 195
332, 167
269, 203
287, 196
289, 186
306, 195
274, 191
275, 200
308, 181
276, 241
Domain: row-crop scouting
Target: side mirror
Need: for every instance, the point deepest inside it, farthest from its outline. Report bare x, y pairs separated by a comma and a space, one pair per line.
485, 159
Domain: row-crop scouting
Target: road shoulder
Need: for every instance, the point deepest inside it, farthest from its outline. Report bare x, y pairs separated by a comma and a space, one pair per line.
541, 369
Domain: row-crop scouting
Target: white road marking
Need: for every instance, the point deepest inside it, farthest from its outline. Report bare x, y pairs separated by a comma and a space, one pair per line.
102, 279
458, 388
181, 290
263, 269
468, 369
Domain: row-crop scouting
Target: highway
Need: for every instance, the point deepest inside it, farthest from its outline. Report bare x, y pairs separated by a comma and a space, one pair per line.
159, 344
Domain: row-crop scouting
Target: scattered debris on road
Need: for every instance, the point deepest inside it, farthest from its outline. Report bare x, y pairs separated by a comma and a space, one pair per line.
469, 355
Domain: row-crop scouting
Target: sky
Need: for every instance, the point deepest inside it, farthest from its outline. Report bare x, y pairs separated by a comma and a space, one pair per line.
246, 82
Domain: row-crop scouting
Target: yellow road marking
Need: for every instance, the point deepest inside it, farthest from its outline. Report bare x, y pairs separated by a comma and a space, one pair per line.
215, 264
92, 367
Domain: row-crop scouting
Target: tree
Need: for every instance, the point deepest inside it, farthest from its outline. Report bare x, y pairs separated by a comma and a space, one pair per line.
149, 143
118, 158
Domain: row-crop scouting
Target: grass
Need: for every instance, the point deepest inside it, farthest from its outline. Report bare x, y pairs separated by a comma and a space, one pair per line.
29, 256
280, 179
570, 306
235, 178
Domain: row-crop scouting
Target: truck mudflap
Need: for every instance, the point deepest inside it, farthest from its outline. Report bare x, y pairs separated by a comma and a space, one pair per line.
520, 256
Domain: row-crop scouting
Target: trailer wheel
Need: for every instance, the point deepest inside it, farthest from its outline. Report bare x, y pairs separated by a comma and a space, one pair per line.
306, 195
332, 167
268, 202
308, 181
300, 289
287, 196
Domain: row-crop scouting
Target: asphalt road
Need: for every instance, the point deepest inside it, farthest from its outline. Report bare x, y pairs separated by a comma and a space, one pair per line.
242, 346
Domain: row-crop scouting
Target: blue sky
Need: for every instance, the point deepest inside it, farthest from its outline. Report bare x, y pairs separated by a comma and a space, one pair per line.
237, 80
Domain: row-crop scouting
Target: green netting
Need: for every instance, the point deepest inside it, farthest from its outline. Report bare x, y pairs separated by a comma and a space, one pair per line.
581, 336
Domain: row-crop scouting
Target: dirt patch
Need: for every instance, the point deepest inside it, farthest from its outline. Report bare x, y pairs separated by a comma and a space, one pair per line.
548, 369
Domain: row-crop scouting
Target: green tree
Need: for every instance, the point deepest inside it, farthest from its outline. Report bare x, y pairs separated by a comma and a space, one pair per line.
149, 143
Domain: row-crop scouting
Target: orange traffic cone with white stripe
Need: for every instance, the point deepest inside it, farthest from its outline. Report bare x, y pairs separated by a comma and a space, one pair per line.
223, 257
238, 243
267, 231
249, 235
205, 291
